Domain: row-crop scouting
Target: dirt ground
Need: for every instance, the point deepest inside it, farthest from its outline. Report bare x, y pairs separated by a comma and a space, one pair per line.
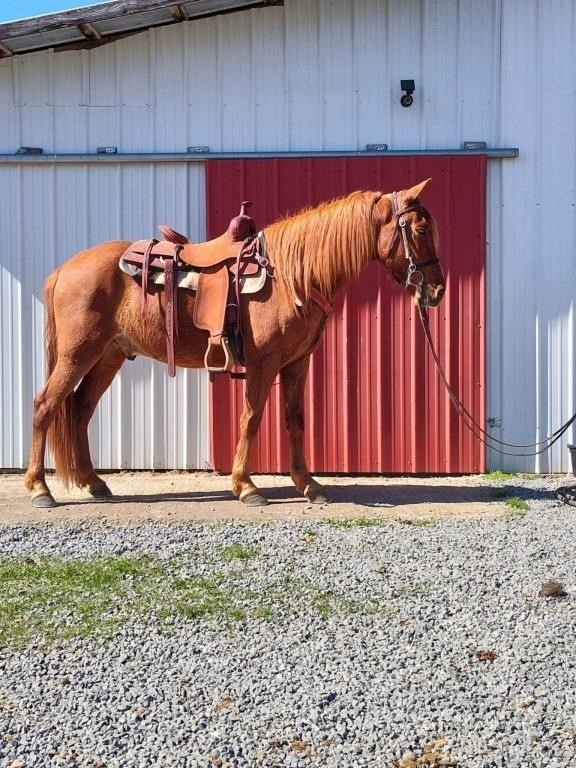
206, 496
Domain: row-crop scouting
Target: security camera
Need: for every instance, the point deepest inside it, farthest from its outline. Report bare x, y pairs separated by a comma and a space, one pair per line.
408, 87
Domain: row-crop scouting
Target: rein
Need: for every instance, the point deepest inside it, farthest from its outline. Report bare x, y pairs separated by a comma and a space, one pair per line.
469, 420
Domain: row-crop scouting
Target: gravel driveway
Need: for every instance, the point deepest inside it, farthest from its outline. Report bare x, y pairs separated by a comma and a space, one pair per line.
394, 635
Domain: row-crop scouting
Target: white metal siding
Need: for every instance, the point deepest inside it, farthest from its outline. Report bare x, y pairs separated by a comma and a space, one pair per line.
307, 76
312, 75
532, 264
145, 420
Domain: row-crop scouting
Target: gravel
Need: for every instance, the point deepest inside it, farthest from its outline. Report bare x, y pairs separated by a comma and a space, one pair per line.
436, 648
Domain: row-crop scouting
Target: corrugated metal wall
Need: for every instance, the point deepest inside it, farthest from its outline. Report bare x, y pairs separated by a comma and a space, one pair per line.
308, 75
322, 76
373, 400
145, 420
532, 234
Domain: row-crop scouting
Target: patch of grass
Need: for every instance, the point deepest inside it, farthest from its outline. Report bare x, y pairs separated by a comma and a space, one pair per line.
238, 552
301, 595
356, 522
201, 596
57, 599
417, 589
48, 600
417, 522
322, 602
498, 474
515, 502
518, 507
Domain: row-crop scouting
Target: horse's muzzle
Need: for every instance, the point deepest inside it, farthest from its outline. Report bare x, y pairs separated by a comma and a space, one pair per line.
429, 295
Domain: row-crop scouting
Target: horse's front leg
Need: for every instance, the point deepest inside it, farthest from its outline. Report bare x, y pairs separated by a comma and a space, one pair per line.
293, 379
259, 379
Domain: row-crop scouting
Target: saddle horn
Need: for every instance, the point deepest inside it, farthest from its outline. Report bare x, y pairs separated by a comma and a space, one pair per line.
242, 226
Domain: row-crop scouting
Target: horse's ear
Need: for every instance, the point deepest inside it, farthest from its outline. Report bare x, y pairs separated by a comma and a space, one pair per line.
414, 192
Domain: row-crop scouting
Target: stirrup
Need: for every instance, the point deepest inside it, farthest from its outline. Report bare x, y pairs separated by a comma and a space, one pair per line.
229, 359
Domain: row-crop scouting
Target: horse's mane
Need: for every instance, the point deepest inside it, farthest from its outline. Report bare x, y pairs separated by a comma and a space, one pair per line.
323, 247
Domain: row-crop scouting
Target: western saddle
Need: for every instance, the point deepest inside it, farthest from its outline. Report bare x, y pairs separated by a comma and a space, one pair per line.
222, 265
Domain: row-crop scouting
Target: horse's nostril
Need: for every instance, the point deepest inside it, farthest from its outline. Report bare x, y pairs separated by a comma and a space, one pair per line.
435, 294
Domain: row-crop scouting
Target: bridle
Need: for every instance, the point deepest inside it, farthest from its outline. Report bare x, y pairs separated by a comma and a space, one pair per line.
414, 268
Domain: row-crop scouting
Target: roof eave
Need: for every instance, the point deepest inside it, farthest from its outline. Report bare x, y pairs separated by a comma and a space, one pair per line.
86, 21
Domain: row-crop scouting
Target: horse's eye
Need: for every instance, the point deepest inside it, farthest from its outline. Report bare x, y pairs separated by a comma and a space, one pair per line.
421, 231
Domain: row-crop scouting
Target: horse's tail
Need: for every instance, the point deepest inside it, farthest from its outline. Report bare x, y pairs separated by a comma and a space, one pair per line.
62, 430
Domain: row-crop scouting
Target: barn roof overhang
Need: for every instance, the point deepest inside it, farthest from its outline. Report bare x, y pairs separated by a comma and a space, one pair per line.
103, 23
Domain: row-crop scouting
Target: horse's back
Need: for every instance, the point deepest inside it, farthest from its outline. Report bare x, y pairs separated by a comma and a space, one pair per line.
94, 266
98, 255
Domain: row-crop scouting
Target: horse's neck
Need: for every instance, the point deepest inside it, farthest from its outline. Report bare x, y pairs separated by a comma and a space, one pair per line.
346, 260
323, 254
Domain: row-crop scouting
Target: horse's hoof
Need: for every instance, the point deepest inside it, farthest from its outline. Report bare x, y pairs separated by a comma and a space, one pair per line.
100, 492
43, 501
254, 499
316, 494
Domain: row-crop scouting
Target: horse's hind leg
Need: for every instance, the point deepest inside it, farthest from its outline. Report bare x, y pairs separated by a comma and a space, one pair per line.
293, 379
86, 398
47, 403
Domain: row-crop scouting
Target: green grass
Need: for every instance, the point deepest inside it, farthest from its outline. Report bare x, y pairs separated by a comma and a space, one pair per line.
48, 600
298, 594
498, 474
515, 502
356, 522
417, 589
196, 597
56, 598
238, 552
518, 505
417, 522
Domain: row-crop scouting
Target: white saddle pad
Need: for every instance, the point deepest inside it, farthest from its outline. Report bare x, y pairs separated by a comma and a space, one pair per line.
188, 278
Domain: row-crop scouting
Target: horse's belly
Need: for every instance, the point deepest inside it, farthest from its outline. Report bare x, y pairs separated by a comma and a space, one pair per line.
188, 352
144, 333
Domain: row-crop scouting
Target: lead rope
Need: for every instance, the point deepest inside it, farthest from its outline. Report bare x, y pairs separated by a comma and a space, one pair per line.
469, 420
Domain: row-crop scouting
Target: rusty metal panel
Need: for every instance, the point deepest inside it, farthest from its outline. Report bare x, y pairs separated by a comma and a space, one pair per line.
374, 402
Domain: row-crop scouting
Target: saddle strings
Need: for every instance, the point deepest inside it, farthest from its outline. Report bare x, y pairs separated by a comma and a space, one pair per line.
469, 420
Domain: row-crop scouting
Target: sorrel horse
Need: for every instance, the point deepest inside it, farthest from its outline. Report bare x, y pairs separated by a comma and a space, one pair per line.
94, 321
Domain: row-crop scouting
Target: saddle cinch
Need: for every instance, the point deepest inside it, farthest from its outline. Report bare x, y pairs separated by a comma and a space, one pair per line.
219, 271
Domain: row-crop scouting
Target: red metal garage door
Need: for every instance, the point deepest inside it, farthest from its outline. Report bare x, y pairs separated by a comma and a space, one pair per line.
374, 402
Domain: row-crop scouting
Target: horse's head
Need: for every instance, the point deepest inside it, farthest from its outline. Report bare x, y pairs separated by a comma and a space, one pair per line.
407, 244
